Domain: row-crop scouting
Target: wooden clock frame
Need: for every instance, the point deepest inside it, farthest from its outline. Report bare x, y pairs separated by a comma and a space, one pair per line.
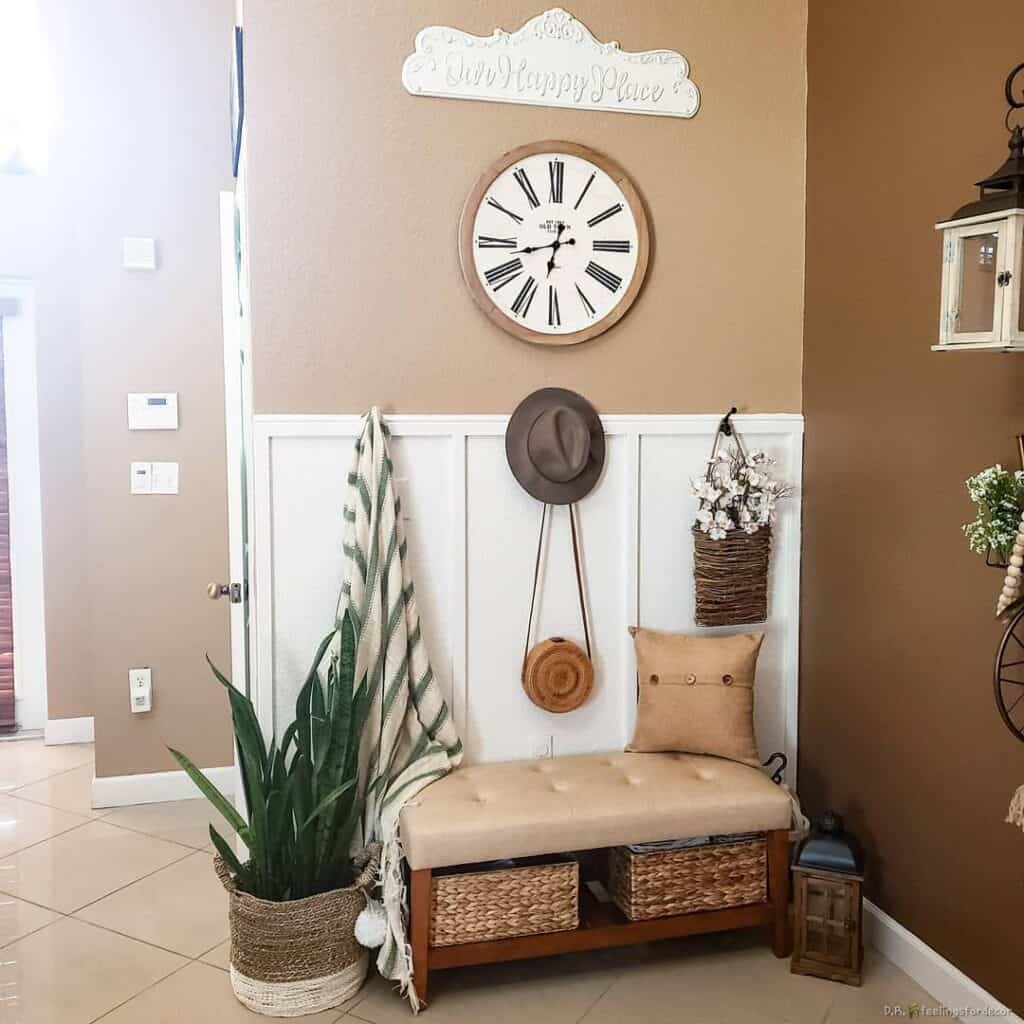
468, 218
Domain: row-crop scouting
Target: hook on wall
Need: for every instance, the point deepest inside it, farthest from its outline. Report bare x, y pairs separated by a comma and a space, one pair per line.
724, 425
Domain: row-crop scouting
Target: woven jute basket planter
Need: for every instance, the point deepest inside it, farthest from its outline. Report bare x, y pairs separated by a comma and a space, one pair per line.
483, 905
299, 956
730, 577
649, 885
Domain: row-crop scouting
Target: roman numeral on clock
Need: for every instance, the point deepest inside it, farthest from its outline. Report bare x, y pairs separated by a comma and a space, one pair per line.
495, 205
587, 304
554, 316
487, 242
499, 276
521, 306
610, 212
524, 184
556, 171
602, 276
590, 181
605, 246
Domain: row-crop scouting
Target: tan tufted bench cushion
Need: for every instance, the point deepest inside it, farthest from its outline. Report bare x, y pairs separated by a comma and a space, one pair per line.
524, 808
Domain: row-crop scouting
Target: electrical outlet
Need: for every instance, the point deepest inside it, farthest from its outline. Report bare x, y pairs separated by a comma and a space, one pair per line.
140, 689
542, 746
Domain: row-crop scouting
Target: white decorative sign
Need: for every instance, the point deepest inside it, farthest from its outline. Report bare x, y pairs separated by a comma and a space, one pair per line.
552, 61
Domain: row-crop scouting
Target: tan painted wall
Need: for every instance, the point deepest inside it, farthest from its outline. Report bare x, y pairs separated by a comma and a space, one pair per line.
356, 190
140, 147
898, 728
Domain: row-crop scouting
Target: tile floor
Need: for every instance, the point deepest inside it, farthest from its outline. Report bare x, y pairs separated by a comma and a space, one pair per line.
117, 916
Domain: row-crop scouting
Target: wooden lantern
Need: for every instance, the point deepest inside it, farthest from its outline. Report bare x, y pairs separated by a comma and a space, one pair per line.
828, 877
983, 256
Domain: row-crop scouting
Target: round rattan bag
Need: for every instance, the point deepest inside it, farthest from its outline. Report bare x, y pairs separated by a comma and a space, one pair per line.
558, 675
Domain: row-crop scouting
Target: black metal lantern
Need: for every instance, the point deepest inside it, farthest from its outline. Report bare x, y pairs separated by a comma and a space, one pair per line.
829, 876
983, 255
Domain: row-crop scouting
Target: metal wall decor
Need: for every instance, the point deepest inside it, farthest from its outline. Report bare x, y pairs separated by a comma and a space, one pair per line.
983, 253
1008, 678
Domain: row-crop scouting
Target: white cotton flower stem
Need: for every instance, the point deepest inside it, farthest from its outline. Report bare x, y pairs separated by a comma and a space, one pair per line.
1011, 591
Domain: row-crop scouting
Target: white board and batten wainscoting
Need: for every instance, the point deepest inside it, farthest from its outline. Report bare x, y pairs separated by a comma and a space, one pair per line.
472, 535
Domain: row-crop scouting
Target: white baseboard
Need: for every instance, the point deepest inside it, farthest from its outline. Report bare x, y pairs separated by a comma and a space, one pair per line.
934, 973
68, 730
157, 787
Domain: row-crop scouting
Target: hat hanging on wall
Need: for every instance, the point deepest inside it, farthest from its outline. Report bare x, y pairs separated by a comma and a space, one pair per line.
555, 446
555, 449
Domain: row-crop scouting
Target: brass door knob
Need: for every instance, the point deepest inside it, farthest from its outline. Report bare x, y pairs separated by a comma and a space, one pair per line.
216, 590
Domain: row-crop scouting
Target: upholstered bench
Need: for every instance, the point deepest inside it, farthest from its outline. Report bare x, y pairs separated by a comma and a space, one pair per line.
587, 802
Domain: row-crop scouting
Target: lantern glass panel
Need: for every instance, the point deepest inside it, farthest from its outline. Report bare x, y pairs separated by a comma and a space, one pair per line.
1020, 290
979, 257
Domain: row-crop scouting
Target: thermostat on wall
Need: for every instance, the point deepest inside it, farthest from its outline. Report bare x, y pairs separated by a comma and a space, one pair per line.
153, 411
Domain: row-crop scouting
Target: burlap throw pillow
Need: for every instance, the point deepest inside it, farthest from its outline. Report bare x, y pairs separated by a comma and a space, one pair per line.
696, 694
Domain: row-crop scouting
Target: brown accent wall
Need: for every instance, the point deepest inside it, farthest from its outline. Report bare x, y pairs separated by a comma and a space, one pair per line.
898, 729
356, 189
140, 147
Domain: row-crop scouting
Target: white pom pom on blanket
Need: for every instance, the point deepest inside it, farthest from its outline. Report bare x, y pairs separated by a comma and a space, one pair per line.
371, 925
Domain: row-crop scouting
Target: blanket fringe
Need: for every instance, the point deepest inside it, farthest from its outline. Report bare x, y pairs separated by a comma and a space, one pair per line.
395, 958
1015, 815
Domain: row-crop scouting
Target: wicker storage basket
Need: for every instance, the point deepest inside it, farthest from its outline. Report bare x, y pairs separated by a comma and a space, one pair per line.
300, 956
648, 885
479, 906
731, 577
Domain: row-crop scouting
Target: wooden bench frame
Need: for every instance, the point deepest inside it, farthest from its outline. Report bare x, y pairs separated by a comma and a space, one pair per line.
601, 926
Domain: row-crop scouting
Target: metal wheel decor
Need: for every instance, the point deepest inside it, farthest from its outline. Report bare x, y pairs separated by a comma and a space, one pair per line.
1008, 678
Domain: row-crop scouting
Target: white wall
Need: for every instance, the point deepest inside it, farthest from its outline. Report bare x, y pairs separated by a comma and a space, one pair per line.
472, 536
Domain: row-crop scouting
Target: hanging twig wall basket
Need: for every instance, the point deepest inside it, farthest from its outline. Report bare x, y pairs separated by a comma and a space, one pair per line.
732, 535
730, 577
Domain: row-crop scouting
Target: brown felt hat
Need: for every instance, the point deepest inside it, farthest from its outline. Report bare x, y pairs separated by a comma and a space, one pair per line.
555, 446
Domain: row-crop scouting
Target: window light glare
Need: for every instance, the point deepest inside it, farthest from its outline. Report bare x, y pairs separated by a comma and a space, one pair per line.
24, 100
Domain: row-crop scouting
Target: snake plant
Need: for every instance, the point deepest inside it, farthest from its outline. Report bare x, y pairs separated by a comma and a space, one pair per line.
302, 794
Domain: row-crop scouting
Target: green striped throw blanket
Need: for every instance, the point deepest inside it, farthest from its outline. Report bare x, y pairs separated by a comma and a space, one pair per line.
409, 739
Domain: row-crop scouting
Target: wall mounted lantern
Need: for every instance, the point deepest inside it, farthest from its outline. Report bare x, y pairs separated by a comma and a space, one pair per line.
983, 256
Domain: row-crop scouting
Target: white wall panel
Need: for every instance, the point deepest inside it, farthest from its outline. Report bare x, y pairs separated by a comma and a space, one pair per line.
472, 537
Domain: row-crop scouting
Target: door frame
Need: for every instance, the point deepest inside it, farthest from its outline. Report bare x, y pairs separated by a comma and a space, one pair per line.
17, 308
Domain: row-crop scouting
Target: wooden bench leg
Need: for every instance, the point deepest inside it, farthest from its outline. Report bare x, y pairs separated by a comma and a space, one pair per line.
419, 911
778, 890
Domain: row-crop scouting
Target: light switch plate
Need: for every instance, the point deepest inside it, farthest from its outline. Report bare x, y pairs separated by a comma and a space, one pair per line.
153, 410
138, 253
142, 478
165, 478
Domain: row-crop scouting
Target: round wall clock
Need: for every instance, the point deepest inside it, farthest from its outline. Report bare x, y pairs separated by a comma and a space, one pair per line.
553, 243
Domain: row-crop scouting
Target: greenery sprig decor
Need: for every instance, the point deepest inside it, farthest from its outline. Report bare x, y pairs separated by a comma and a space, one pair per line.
302, 795
999, 496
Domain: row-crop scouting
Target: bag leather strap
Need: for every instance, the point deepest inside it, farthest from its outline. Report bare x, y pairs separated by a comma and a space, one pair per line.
536, 577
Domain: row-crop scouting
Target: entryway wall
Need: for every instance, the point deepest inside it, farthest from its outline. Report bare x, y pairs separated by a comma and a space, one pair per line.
898, 726
472, 535
355, 190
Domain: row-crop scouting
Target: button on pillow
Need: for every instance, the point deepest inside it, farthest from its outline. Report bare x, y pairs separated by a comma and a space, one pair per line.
696, 694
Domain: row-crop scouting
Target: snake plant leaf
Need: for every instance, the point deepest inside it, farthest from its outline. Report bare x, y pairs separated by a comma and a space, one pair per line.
243, 715
213, 794
226, 853
327, 802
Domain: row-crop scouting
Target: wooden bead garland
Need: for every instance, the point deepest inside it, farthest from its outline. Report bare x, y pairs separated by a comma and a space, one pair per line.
1011, 591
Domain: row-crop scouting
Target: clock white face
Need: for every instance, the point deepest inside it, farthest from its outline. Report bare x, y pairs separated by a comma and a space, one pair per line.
555, 243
